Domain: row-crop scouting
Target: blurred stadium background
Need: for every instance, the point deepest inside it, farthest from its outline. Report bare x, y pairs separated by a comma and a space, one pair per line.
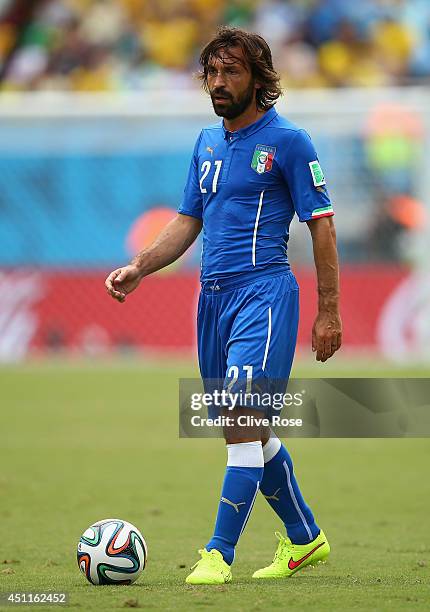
99, 112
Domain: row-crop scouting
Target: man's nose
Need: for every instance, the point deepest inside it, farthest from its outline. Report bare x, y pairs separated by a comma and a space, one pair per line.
219, 80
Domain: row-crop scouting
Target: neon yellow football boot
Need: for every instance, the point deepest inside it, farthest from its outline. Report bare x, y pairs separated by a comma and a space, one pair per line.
211, 569
290, 558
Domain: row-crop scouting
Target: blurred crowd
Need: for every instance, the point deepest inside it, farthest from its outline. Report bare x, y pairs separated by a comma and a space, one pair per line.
105, 45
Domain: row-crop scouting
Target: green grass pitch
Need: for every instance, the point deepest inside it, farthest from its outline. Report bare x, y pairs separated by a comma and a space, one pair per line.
84, 442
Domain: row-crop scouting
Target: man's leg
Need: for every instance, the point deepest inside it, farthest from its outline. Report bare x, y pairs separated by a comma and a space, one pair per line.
241, 484
280, 488
256, 323
306, 544
242, 479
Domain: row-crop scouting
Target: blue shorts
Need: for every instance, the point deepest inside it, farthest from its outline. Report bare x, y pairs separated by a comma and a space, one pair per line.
247, 332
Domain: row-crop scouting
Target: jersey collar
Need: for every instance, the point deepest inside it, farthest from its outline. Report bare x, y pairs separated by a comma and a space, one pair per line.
254, 127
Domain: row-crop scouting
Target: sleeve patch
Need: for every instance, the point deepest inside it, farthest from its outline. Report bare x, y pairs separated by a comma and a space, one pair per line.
317, 173
323, 212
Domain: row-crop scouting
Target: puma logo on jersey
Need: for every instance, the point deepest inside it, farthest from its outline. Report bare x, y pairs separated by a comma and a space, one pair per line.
230, 503
211, 149
274, 496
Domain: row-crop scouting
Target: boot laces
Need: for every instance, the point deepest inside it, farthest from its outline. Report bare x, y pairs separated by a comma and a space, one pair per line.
284, 547
210, 557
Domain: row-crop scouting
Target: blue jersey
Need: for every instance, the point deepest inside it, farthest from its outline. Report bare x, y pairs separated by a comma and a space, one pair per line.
246, 186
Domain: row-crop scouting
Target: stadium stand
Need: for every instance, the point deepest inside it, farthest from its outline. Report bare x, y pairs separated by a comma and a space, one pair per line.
110, 45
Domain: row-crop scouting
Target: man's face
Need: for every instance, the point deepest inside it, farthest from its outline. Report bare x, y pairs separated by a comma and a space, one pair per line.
231, 85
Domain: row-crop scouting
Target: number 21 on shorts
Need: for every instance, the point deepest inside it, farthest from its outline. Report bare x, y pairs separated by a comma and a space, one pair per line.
233, 373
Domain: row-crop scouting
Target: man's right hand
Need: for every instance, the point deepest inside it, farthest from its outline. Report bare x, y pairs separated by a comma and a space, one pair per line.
123, 281
172, 242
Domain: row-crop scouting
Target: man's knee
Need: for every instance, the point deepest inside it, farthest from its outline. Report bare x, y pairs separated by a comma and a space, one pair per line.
244, 427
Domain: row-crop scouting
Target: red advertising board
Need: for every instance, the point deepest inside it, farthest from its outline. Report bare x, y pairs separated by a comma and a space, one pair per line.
50, 310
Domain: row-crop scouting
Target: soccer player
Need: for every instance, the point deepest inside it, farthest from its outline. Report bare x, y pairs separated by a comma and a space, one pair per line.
249, 174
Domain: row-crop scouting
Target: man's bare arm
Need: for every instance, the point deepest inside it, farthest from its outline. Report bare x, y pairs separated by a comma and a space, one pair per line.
327, 329
171, 243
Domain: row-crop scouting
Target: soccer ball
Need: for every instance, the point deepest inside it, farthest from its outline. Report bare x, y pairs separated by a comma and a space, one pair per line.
112, 551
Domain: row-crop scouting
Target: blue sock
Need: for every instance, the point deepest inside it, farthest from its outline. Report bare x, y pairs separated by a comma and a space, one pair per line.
241, 483
279, 486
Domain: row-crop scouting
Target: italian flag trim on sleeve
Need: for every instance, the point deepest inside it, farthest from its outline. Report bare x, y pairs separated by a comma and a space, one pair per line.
323, 212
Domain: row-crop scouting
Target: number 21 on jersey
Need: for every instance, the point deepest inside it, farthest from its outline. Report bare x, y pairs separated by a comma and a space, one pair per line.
205, 169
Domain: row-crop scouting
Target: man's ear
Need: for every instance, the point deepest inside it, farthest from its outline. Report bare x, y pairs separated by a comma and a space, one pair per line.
257, 85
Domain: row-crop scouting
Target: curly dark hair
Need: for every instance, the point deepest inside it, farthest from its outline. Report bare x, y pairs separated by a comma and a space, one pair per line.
258, 56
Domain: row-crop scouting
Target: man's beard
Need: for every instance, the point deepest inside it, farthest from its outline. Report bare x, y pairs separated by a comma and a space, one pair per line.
233, 108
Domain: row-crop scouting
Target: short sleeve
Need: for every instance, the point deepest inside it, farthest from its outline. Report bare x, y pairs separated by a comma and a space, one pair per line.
192, 203
305, 178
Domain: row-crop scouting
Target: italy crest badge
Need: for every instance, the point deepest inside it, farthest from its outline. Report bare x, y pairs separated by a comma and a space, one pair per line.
262, 159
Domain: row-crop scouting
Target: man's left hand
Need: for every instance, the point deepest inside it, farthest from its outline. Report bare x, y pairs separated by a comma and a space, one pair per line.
326, 335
